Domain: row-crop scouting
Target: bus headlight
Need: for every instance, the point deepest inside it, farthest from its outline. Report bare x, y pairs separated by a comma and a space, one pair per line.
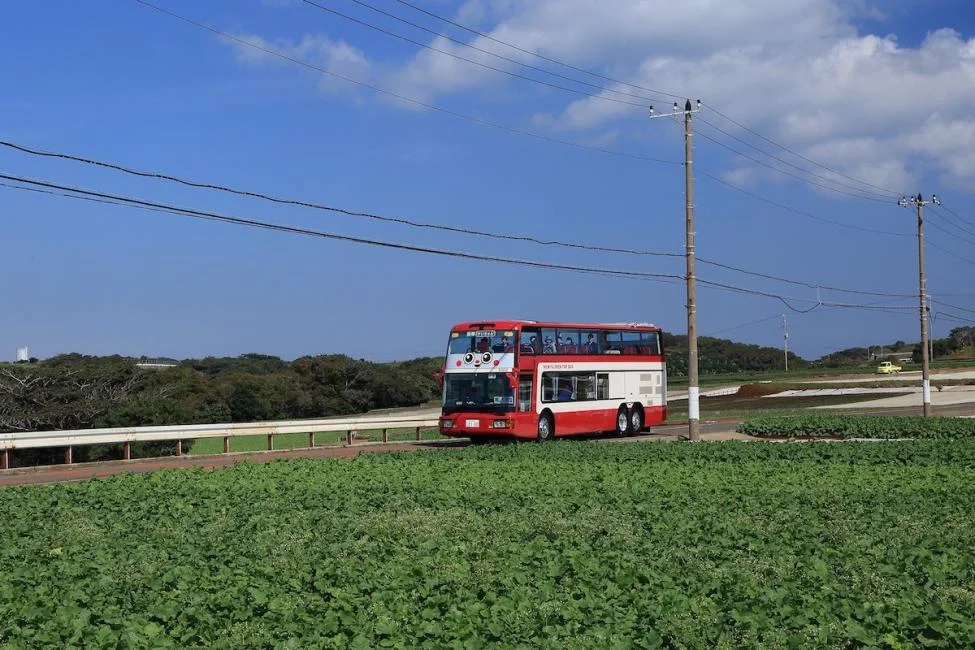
447, 424
501, 424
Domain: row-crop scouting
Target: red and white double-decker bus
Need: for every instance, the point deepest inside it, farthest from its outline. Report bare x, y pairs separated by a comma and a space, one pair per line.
528, 379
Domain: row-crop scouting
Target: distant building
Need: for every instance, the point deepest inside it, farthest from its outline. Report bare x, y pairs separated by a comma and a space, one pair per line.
23, 354
156, 362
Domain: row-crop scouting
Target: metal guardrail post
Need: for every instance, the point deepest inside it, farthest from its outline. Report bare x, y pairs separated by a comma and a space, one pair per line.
125, 436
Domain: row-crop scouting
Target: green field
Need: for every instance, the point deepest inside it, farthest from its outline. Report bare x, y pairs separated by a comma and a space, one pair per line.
565, 545
299, 440
808, 373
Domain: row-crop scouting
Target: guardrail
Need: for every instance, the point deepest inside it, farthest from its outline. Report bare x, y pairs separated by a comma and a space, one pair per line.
127, 435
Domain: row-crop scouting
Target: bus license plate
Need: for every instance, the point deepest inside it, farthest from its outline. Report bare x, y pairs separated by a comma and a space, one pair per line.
472, 424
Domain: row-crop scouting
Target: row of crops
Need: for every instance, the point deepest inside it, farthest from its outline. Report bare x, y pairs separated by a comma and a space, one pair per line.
571, 544
813, 425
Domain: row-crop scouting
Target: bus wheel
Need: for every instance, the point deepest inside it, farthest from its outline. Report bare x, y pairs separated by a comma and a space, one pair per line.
622, 422
636, 419
546, 430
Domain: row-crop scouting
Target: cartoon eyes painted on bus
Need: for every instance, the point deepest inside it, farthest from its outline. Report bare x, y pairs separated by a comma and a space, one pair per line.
479, 358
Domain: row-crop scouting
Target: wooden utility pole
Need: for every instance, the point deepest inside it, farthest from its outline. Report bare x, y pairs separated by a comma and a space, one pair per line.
785, 338
919, 203
693, 390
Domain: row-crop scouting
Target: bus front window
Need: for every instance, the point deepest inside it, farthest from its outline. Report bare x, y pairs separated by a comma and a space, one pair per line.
487, 392
496, 341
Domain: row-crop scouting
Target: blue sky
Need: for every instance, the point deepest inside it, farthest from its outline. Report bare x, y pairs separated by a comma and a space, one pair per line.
882, 96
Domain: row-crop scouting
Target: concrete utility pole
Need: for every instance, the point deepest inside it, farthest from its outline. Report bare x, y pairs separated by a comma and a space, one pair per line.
693, 389
785, 332
919, 203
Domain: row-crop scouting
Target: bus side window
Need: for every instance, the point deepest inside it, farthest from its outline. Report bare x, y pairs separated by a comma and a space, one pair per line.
614, 344
651, 343
548, 341
570, 341
589, 343
631, 342
531, 342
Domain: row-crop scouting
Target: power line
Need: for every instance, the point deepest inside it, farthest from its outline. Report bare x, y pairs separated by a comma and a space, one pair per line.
868, 194
495, 125
656, 91
785, 299
885, 191
403, 98
803, 213
786, 173
945, 304
948, 252
328, 208
951, 234
963, 228
949, 210
47, 187
471, 61
213, 216
536, 54
738, 327
457, 41
955, 317
800, 282
412, 223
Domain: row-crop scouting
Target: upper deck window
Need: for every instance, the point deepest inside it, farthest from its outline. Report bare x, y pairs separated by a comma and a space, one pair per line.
498, 341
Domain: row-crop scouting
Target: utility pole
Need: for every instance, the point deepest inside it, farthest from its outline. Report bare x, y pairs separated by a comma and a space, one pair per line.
919, 203
785, 332
693, 390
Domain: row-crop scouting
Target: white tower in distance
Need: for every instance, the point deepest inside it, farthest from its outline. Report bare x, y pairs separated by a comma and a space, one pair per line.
23, 354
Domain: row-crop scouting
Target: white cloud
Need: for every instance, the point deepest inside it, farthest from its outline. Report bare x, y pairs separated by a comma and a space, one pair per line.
796, 70
319, 50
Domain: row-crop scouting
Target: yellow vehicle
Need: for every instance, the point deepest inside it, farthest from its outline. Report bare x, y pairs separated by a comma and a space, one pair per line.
887, 368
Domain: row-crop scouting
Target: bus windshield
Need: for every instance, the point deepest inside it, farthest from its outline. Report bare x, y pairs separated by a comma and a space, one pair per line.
482, 341
487, 392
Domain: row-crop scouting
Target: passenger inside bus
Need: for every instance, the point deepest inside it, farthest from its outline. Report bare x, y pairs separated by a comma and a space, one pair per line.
529, 344
503, 346
591, 346
565, 394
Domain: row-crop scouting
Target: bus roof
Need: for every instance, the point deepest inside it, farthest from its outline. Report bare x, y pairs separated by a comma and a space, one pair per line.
512, 324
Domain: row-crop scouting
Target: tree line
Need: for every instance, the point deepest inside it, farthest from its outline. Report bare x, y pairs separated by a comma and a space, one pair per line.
73, 391
719, 356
